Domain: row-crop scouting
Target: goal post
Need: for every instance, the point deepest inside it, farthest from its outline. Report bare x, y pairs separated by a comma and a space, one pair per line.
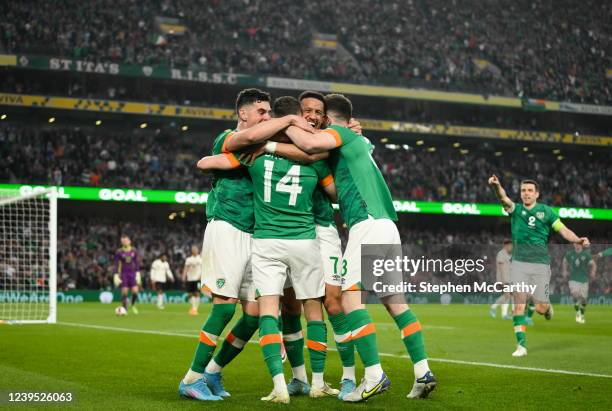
28, 256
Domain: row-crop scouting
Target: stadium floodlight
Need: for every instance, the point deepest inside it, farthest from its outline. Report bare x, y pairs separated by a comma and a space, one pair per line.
28, 257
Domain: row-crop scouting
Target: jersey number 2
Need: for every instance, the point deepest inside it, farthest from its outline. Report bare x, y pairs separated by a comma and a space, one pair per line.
531, 222
290, 183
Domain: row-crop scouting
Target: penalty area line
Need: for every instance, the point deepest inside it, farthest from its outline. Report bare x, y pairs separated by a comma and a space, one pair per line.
382, 354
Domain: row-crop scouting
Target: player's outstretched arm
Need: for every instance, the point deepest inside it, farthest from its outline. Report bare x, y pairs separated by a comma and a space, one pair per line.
225, 161
499, 191
313, 143
294, 153
569, 235
605, 253
262, 131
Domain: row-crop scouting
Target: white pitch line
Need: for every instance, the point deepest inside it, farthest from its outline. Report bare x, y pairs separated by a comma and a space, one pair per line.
516, 367
128, 330
382, 354
425, 327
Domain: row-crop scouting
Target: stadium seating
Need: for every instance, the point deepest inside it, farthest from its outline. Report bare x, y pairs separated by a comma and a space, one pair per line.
540, 49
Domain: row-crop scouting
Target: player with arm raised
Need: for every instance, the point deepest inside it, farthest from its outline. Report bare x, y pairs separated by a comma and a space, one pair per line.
531, 224
127, 272
605, 253
192, 274
160, 272
579, 266
504, 256
367, 208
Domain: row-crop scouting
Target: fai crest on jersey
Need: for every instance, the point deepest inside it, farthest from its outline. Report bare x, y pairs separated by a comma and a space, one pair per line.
540, 214
220, 282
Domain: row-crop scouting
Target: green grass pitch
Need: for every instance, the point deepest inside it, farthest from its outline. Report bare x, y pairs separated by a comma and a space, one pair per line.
136, 362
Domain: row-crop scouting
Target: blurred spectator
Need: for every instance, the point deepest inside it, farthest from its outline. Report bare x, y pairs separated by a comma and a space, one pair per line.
93, 157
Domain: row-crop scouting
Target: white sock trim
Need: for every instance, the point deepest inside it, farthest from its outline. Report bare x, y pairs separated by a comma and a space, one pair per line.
280, 386
213, 367
317, 379
192, 376
348, 373
421, 368
300, 373
373, 374
293, 337
341, 337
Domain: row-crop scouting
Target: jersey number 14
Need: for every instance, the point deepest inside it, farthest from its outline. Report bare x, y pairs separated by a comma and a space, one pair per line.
290, 183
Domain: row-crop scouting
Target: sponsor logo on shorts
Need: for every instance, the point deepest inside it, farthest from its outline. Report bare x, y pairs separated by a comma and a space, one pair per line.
220, 282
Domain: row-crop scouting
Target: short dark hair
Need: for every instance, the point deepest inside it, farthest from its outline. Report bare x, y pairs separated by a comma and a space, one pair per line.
124, 235
316, 95
286, 105
250, 96
340, 105
507, 241
528, 181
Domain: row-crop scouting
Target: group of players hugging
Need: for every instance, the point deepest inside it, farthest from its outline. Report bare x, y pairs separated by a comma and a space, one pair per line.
271, 244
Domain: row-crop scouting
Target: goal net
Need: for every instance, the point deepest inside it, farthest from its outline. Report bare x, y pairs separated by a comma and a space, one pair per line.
28, 257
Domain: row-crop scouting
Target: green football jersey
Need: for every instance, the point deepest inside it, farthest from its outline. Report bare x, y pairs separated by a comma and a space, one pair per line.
578, 264
530, 232
322, 208
362, 190
283, 192
231, 197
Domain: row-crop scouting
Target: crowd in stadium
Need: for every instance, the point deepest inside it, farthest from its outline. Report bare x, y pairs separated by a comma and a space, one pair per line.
137, 159
546, 49
72, 156
86, 248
